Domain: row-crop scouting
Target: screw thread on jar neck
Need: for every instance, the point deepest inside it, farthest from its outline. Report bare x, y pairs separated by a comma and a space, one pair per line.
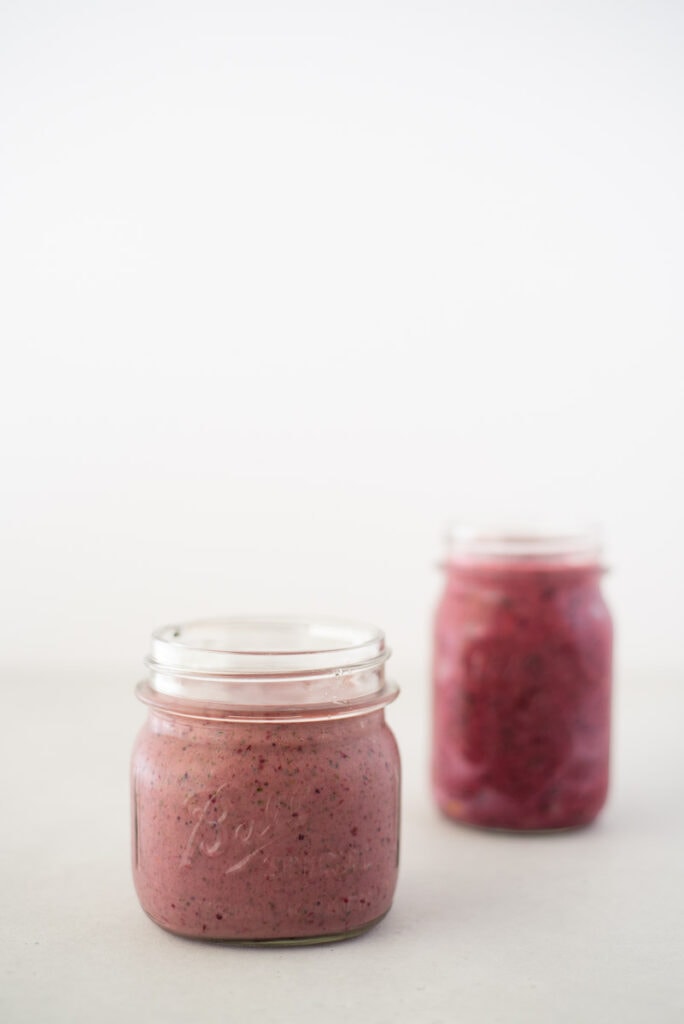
473, 546
268, 665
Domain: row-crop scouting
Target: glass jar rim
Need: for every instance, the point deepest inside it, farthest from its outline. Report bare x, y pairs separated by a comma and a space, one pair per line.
263, 663
569, 544
266, 646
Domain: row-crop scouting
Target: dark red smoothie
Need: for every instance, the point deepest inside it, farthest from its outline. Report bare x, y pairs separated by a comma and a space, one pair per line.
522, 684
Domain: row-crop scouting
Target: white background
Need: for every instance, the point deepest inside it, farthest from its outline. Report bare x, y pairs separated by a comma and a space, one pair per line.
285, 287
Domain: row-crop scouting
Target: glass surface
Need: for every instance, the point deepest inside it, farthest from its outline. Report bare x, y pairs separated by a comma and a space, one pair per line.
268, 663
560, 542
265, 831
522, 689
267, 812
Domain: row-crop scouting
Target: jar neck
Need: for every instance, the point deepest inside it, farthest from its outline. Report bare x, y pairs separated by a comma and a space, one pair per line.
259, 668
520, 552
252, 703
524, 568
197, 721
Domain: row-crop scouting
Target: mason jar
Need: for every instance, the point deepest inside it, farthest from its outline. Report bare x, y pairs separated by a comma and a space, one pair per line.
265, 781
522, 680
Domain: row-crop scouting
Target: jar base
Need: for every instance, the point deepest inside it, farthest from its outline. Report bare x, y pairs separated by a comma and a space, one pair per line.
304, 940
513, 830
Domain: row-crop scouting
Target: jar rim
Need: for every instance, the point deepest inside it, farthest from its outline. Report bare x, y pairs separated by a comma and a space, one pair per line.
268, 662
567, 543
266, 645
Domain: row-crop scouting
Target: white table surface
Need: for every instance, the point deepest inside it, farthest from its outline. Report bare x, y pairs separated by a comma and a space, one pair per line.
579, 927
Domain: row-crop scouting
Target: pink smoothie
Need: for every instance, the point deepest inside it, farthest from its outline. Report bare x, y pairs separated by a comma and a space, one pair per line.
265, 831
522, 683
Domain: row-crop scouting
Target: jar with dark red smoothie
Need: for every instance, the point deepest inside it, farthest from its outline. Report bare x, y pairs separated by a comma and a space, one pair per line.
265, 782
522, 680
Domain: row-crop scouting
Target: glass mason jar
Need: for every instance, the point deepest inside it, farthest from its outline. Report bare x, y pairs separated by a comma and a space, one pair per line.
265, 782
522, 681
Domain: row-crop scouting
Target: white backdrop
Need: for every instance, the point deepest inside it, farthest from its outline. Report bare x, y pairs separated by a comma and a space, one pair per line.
286, 289
283, 288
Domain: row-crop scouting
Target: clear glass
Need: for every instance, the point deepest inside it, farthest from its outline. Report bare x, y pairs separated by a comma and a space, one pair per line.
522, 680
265, 782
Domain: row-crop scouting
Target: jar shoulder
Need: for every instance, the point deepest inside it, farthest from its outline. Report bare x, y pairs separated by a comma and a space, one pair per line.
163, 740
541, 603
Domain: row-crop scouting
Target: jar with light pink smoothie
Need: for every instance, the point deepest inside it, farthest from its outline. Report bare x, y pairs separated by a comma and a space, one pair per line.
522, 680
265, 781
